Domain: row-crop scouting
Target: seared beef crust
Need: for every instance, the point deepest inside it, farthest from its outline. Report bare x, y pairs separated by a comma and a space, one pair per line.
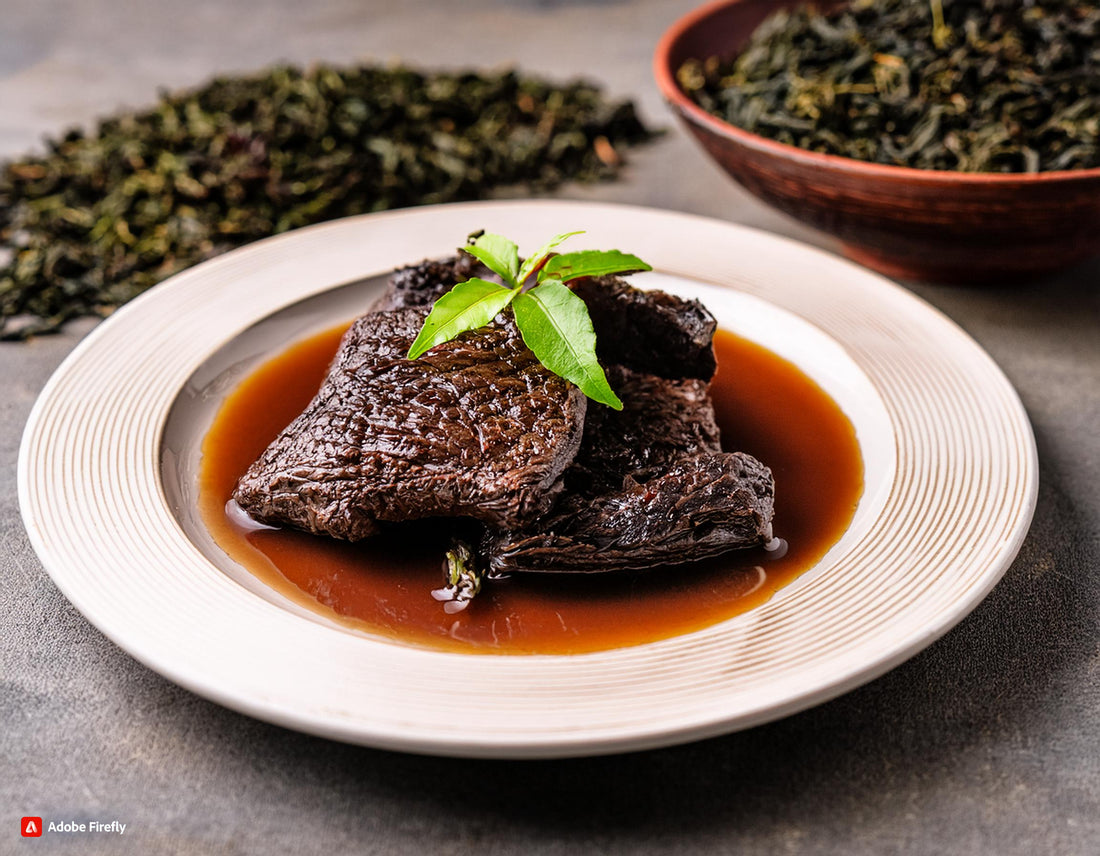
475, 428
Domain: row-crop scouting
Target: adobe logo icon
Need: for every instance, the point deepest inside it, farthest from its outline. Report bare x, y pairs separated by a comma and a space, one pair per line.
31, 827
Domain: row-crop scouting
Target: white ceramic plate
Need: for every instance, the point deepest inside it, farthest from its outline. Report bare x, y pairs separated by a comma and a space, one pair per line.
107, 485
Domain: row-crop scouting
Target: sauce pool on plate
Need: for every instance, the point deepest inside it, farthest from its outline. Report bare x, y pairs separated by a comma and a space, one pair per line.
765, 406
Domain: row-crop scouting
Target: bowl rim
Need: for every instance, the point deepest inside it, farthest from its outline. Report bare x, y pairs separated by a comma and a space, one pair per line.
670, 88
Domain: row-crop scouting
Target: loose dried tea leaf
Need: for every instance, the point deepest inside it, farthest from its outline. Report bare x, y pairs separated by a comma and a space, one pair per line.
967, 85
102, 216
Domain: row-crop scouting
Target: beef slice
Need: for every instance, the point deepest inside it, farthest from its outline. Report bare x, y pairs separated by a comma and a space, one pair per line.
649, 331
475, 428
650, 486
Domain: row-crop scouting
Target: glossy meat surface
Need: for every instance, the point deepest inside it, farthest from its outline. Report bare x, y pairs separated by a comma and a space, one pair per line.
476, 428
650, 486
649, 331
424, 283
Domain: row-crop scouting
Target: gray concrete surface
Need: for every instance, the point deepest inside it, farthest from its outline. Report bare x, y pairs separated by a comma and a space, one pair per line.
986, 743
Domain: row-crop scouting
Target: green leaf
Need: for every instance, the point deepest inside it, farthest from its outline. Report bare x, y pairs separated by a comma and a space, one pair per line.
467, 306
498, 254
591, 263
555, 325
533, 261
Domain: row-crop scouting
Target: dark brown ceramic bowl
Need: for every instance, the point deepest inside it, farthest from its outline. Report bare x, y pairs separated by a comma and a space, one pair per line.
908, 223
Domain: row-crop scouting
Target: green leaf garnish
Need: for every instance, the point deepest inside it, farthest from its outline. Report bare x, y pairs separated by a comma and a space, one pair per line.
553, 321
533, 261
498, 254
591, 263
555, 325
467, 306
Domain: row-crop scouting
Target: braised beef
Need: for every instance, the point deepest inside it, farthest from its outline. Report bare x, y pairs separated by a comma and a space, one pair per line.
423, 284
649, 331
478, 428
475, 428
650, 486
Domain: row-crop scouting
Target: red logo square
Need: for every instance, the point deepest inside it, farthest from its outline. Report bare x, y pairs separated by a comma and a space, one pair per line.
31, 827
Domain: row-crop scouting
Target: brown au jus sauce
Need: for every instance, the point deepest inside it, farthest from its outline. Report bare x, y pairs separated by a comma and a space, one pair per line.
765, 406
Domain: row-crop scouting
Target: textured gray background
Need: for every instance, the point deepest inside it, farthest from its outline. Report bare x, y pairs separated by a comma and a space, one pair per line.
986, 743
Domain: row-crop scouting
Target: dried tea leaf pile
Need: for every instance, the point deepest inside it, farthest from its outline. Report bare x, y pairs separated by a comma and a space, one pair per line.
967, 85
100, 217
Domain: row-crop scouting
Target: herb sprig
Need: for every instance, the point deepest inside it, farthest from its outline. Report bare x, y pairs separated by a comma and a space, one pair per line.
553, 321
